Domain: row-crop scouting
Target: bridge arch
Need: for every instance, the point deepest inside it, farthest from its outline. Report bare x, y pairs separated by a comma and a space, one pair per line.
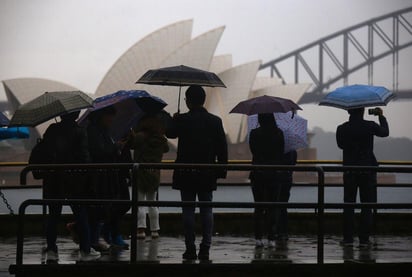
401, 23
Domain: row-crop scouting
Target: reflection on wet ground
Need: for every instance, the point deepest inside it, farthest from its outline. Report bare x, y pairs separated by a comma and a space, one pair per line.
299, 249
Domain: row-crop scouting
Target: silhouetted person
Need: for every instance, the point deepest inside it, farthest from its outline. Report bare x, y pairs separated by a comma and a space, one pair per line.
67, 144
149, 144
355, 137
267, 146
202, 140
109, 184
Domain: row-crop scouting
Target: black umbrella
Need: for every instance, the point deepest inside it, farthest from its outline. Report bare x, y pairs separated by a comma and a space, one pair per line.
48, 106
180, 76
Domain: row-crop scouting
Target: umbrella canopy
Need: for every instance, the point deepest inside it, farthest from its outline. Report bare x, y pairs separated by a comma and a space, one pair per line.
48, 106
265, 104
4, 121
357, 96
180, 76
294, 127
14, 133
130, 106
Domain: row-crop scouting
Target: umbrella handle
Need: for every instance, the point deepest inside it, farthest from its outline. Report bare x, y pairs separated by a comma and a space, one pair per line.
178, 101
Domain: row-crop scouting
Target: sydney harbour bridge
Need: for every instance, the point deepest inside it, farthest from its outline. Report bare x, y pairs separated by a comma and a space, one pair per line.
336, 57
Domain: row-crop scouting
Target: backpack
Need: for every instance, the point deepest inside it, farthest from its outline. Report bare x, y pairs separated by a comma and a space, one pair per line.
40, 154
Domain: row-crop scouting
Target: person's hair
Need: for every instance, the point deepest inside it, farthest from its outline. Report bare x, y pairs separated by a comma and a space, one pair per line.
356, 112
72, 116
267, 120
195, 95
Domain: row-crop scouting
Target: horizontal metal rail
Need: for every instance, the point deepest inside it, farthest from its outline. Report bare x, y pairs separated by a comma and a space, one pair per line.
339, 162
172, 166
320, 206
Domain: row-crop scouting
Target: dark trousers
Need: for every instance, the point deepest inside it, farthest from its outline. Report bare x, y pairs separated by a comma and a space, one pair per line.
53, 218
206, 215
82, 217
366, 183
265, 219
282, 224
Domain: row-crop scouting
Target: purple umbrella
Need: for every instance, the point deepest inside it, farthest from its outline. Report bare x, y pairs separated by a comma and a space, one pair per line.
265, 104
130, 106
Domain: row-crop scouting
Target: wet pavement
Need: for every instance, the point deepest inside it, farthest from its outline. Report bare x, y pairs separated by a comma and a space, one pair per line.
299, 249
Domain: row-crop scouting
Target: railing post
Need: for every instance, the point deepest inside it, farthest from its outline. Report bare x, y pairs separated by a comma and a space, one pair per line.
133, 237
321, 210
20, 233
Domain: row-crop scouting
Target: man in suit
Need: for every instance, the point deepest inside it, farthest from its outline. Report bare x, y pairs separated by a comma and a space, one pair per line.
202, 140
355, 137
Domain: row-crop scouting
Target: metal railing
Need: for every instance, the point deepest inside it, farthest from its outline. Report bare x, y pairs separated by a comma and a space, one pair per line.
320, 206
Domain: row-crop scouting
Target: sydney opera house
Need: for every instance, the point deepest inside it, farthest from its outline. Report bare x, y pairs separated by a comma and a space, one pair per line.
169, 46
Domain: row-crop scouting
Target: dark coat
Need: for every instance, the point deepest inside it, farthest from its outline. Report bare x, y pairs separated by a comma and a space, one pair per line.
267, 145
202, 140
356, 136
104, 150
66, 143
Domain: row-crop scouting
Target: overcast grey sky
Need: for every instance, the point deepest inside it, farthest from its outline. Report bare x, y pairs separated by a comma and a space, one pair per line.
76, 41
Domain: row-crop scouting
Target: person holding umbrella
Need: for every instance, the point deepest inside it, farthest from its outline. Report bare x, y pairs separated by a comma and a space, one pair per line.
202, 140
66, 142
267, 145
355, 137
63, 143
108, 184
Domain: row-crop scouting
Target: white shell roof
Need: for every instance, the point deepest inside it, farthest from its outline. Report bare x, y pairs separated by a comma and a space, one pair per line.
146, 54
221, 63
239, 81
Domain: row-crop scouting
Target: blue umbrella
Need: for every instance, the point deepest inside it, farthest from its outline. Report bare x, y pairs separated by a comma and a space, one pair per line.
4, 121
130, 106
357, 96
14, 133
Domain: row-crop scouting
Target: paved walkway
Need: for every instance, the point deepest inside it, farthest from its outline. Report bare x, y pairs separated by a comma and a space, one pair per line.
299, 249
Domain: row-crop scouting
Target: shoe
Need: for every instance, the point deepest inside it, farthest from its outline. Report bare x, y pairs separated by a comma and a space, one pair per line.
101, 246
190, 255
120, 243
91, 256
141, 235
346, 243
203, 254
52, 256
271, 244
259, 243
155, 235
